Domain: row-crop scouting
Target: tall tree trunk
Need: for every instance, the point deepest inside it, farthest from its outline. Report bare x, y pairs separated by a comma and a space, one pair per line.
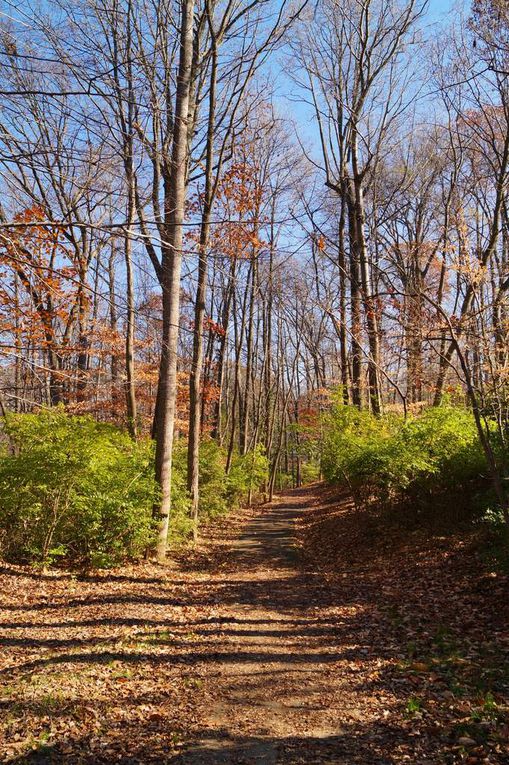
343, 342
83, 339
195, 393
246, 402
112, 299
368, 298
355, 308
236, 403
175, 198
442, 359
130, 388
221, 354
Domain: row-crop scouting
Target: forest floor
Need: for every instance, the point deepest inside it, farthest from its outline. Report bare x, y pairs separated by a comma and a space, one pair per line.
300, 633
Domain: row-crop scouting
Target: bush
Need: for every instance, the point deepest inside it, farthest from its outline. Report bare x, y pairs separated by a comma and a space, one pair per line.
283, 481
436, 451
354, 444
390, 459
83, 492
310, 472
75, 489
219, 492
215, 498
248, 473
213, 481
181, 523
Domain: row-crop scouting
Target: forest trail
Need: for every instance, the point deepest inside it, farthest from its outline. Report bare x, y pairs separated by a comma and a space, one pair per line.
284, 685
297, 634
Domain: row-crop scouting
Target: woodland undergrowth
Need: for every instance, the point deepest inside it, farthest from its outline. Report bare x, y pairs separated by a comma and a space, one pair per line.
82, 493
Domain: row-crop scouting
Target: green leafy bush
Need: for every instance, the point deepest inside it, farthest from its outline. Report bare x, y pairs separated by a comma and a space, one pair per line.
389, 459
248, 473
213, 482
354, 444
438, 450
310, 472
181, 523
82, 491
215, 495
219, 492
75, 489
283, 481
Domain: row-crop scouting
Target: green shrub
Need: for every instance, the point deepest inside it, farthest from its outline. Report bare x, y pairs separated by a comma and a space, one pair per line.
391, 459
83, 492
354, 444
214, 487
75, 489
181, 523
283, 481
248, 473
310, 472
436, 451
219, 492
213, 482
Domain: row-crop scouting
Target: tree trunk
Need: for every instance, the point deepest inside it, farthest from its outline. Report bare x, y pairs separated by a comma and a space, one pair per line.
195, 393
355, 309
175, 198
368, 299
343, 343
130, 388
221, 354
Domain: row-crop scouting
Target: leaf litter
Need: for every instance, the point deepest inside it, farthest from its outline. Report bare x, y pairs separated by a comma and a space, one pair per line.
297, 633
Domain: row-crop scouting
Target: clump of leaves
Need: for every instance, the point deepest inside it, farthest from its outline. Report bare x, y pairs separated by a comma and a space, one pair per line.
220, 491
413, 707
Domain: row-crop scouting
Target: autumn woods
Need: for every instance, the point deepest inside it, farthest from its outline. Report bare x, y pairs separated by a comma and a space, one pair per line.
228, 228
254, 382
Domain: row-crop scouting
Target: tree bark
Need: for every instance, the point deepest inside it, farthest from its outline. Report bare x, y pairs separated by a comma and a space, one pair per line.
175, 199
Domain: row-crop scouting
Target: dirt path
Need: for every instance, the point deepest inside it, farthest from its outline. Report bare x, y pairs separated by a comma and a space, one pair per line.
283, 686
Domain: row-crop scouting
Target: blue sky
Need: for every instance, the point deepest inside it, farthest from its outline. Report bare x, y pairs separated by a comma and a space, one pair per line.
438, 8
